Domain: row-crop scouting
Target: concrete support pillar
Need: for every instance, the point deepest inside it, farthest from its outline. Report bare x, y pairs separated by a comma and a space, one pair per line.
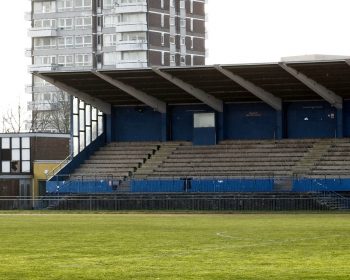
279, 124
165, 127
71, 142
340, 124
109, 128
220, 126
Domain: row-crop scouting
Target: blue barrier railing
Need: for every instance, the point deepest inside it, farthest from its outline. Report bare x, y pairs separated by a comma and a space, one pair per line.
61, 184
64, 184
322, 184
203, 185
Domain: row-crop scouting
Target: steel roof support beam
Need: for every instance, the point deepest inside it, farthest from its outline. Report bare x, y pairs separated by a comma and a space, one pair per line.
151, 101
206, 98
328, 95
262, 94
95, 102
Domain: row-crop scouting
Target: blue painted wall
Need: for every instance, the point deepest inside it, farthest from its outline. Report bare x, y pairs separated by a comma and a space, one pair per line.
204, 136
157, 186
315, 119
316, 185
181, 125
72, 187
346, 118
311, 120
249, 121
137, 124
229, 185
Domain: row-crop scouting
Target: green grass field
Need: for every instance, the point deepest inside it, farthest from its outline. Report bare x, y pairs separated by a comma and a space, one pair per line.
174, 246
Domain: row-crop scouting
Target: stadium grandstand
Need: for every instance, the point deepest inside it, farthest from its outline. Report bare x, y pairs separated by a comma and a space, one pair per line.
253, 130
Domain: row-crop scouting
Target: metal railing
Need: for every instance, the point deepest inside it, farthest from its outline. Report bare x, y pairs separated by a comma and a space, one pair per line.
176, 202
321, 183
59, 167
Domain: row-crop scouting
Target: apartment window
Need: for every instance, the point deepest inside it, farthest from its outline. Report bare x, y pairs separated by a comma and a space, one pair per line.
134, 56
110, 58
64, 5
44, 43
110, 20
172, 39
133, 36
47, 96
172, 58
182, 59
38, 23
183, 41
108, 4
83, 22
162, 58
45, 23
99, 21
132, 18
131, 1
83, 4
162, 20
83, 41
162, 39
83, 60
182, 4
45, 60
65, 42
44, 7
65, 23
110, 40
66, 60
183, 23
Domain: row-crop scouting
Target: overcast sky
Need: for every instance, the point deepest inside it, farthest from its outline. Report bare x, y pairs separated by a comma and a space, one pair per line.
239, 31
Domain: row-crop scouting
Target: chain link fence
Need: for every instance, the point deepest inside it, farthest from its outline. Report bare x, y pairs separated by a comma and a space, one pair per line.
186, 202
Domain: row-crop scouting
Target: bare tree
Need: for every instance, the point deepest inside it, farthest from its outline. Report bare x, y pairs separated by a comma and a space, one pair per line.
12, 119
55, 117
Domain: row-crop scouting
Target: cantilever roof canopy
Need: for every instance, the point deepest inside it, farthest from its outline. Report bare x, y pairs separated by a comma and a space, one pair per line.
333, 76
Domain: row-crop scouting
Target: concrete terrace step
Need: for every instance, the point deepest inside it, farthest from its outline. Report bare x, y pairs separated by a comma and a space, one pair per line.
240, 155
101, 173
220, 174
223, 168
232, 159
227, 164
241, 151
108, 165
156, 160
119, 157
263, 158
103, 160
124, 153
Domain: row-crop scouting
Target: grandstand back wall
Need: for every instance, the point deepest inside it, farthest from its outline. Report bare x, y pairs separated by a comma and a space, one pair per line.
304, 119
